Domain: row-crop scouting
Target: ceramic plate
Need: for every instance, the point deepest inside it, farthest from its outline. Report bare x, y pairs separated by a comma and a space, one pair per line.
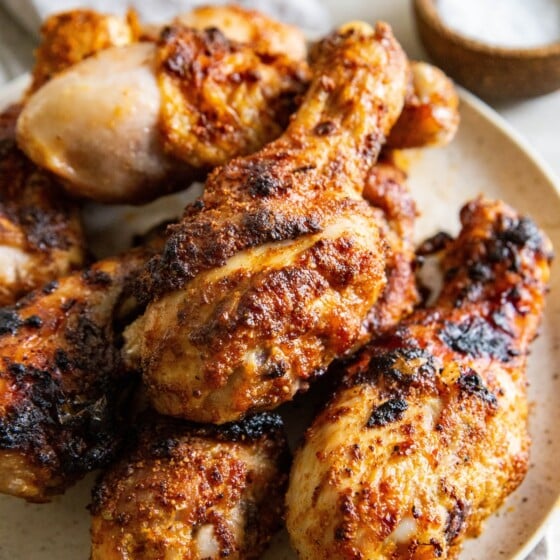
486, 157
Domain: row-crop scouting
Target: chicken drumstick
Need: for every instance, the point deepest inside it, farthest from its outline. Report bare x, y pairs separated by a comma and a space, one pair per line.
428, 433
271, 274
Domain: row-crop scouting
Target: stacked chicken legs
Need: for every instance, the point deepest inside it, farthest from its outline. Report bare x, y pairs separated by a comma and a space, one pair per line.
165, 365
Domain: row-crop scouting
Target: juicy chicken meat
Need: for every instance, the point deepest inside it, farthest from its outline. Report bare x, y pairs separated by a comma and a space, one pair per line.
69, 37
160, 115
60, 379
193, 491
41, 234
428, 433
271, 274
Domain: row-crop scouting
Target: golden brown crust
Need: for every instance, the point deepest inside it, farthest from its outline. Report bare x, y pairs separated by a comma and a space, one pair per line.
222, 99
430, 116
264, 34
193, 491
61, 377
270, 275
41, 235
250, 338
286, 190
69, 37
172, 109
386, 190
428, 433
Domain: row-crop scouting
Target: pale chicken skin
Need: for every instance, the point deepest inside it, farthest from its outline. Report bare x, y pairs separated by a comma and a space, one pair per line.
61, 378
161, 114
95, 126
270, 275
41, 235
427, 434
193, 491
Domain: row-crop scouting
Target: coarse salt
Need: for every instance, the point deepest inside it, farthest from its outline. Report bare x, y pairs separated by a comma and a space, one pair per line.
505, 23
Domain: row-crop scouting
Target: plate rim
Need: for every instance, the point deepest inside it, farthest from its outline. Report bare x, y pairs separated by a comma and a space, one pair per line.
516, 136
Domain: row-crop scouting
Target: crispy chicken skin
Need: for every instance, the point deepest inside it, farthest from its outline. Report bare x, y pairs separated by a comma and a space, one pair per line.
41, 234
271, 274
264, 34
388, 193
193, 491
69, 37
60, 379
428, 433
160, 115
430, 116
222, 99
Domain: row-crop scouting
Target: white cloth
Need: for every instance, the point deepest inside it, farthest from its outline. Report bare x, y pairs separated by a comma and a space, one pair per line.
16, 48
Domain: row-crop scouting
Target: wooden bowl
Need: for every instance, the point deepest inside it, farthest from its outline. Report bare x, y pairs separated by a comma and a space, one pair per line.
492, 72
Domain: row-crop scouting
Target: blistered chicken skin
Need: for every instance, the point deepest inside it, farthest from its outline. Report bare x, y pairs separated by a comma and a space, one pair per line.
387, 192
61, 378
427, 434
193, 491
41, 235
271, 274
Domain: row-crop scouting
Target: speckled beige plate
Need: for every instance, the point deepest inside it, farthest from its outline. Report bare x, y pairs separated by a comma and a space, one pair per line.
486, 157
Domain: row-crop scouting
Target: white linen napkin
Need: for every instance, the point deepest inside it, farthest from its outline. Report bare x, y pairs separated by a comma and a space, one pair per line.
540, 553
16, 48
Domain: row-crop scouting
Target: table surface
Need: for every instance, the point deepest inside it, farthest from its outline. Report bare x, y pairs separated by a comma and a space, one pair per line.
536, 119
